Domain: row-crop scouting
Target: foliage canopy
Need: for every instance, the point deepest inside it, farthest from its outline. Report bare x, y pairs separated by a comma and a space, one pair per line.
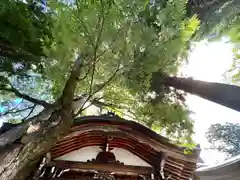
225, 138
25, 30
122, 42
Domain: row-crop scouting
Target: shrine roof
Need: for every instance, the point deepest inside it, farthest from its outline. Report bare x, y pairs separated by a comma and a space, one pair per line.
227, 170
131, 136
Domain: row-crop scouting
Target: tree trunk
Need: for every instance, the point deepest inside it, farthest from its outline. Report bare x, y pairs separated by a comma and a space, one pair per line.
35, 138
224, 94
19, 160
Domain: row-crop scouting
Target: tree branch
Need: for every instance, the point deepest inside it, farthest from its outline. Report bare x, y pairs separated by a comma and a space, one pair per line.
105, 83
31, 111
113, 41
68, 91
101, 24
14, 112
88, 71
98, 56
28, 98
62, 111
90, 40
101, 87
11, 110
96, 102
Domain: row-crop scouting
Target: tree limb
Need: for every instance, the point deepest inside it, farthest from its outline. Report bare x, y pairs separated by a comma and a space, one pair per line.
45, 134
101, 87
65, 103
11, 110
13, 134
28, 98
31, 111
14, 112
96, 102
112, 41
88, 71
68, 91
109, 80
90, 40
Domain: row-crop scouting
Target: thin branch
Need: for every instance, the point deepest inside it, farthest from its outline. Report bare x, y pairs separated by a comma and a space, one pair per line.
97, 57
96, 46
83, 24
26, 97
11, 110
88, 71
92, 76
31, 111
96, 102
14, 112
112, 42
109, 80
101, 24
114, 107
87, 32
101, 87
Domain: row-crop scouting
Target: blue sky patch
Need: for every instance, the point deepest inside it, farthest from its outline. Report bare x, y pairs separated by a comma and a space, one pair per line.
2, 109
18, 100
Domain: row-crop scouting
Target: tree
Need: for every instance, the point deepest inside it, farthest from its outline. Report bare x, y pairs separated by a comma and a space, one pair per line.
107, 39
225, 138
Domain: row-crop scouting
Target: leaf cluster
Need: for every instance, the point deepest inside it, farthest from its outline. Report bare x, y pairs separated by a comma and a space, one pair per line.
25, 31
225, 138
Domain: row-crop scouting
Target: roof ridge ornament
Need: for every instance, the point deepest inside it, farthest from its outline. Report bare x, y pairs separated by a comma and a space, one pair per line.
111, 114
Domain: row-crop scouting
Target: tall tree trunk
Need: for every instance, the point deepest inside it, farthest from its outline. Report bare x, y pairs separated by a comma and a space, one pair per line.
224, 94
35, 138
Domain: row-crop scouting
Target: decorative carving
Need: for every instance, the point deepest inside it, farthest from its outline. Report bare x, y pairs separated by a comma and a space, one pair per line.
111, 114
105, 158
103, 176
41, 169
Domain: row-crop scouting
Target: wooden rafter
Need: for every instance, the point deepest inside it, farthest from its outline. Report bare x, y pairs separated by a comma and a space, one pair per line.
115, 168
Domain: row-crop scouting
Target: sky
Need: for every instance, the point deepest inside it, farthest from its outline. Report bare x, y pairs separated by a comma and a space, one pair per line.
208, 62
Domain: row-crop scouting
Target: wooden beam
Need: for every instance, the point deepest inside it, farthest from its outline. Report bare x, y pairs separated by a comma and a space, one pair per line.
115, 168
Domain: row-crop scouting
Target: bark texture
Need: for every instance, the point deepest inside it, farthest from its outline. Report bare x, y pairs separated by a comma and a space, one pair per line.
223, 94
36, 137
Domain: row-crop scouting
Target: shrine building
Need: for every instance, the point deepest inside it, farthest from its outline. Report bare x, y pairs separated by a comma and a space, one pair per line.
111, 148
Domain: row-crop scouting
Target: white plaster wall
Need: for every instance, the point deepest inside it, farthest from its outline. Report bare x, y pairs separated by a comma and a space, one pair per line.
83, 154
